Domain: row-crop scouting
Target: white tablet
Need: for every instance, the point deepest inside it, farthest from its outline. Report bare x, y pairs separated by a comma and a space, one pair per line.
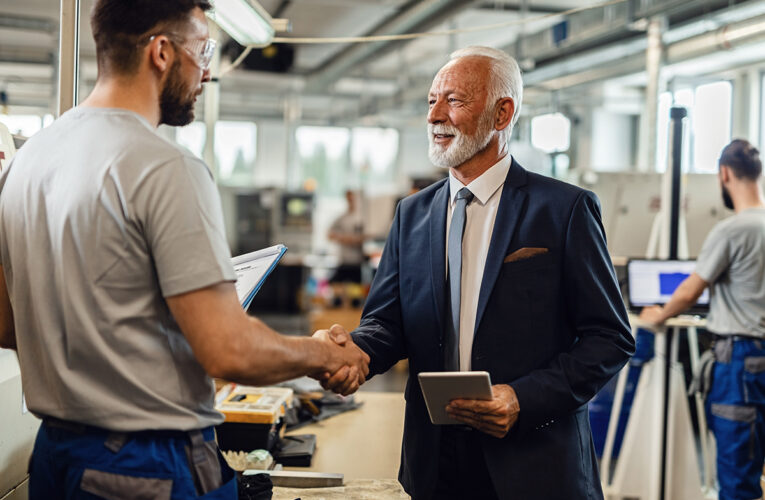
441, 387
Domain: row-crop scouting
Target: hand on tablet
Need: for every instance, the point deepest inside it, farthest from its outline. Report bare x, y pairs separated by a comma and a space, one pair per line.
494, 417
348, 377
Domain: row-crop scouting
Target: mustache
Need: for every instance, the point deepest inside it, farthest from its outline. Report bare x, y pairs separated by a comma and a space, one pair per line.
442, 128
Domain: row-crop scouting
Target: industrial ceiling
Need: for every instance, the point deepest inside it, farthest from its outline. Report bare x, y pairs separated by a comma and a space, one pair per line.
386, 81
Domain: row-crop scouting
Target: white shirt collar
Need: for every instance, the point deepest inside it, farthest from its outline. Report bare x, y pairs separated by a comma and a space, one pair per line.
486, 184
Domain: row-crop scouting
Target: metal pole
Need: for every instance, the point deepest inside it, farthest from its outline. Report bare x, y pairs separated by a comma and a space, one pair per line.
68, 55
677, 115
212, 107
662, 341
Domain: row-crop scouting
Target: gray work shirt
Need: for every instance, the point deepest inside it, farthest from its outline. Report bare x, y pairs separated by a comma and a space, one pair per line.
732, 261
350, 224
100, 219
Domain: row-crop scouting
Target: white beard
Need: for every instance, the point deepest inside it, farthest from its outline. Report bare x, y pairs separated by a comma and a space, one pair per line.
462, 147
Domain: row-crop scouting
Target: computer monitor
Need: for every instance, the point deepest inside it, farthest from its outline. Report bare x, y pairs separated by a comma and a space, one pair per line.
297, 210
652, 282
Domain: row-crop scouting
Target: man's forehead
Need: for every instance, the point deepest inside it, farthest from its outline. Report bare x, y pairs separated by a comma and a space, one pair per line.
198, 24
459, 74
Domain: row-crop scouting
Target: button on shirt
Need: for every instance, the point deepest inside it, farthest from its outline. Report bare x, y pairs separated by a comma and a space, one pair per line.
479, 226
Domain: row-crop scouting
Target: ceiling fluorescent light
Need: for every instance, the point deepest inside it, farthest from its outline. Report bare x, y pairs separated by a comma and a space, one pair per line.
244, 20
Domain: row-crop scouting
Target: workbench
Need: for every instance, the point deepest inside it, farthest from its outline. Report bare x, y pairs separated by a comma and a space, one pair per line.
363, 444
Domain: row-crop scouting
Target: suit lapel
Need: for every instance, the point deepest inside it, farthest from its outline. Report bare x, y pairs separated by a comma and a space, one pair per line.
508, 215
437, 218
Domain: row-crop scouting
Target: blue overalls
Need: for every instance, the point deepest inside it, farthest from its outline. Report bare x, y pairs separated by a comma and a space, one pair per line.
77, 462
735, 407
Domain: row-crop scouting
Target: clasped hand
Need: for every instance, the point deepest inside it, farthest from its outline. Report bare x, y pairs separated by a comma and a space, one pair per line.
349, 365
494, 417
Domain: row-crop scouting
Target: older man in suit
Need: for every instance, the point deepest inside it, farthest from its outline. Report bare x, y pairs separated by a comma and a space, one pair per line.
502, 270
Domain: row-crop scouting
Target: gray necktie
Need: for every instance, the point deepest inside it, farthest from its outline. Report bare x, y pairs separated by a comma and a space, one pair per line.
457, 228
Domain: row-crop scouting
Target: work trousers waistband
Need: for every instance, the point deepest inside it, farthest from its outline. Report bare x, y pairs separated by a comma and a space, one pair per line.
114, 440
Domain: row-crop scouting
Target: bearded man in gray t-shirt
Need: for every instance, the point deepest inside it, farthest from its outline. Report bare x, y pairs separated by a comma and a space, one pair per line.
732, 265
116, 282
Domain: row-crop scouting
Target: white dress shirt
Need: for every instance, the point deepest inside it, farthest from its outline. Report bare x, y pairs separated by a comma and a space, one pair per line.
480, 215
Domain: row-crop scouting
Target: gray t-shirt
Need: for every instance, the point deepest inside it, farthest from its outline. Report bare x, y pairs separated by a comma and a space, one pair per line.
100, 219
732, 261
350, 224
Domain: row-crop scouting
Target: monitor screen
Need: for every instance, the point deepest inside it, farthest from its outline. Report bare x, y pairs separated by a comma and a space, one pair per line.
297, 211
653, 281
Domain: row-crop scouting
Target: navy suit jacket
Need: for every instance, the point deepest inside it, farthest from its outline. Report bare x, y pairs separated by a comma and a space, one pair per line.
552, 326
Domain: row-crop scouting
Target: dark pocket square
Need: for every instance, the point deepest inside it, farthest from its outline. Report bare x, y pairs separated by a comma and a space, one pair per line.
525, 253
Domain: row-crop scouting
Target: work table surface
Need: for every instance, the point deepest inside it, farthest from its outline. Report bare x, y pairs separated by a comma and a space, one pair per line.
361, 444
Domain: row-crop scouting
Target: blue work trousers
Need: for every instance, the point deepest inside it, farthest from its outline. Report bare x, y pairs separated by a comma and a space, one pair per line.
735, 409
77, 462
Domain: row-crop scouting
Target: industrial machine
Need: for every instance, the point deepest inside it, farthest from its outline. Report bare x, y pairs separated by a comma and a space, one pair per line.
294, 221
264, 217
630, 202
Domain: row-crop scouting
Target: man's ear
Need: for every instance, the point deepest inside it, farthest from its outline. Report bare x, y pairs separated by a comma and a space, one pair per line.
161, 53
504, 113
724, 174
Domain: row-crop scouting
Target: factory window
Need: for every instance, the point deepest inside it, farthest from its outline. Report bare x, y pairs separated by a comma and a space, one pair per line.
24, 125
708, 127
323, 159
373, 159
235, 150
551, 132
192, 137
711, 124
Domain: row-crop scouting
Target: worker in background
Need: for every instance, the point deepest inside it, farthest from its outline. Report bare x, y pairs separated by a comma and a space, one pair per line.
732, 265
348, 232
502, 270
116, 285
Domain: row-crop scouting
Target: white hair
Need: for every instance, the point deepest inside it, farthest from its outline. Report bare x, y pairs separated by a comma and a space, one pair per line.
504, 81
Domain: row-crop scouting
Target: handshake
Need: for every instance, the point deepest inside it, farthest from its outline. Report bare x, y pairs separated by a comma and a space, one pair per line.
346, 366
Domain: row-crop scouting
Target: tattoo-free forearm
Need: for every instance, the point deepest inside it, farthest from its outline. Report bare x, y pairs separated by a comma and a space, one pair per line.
684, 297
260, 356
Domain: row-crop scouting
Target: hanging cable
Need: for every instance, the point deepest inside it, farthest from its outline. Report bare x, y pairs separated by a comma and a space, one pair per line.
237, 61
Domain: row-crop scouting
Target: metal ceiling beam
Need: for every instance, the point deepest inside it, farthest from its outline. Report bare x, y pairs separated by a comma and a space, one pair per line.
630, 58
518, 7
617, 59
26, 56
417, 16
27, 23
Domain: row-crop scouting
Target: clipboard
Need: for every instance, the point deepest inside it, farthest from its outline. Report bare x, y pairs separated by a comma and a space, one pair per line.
252, 269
